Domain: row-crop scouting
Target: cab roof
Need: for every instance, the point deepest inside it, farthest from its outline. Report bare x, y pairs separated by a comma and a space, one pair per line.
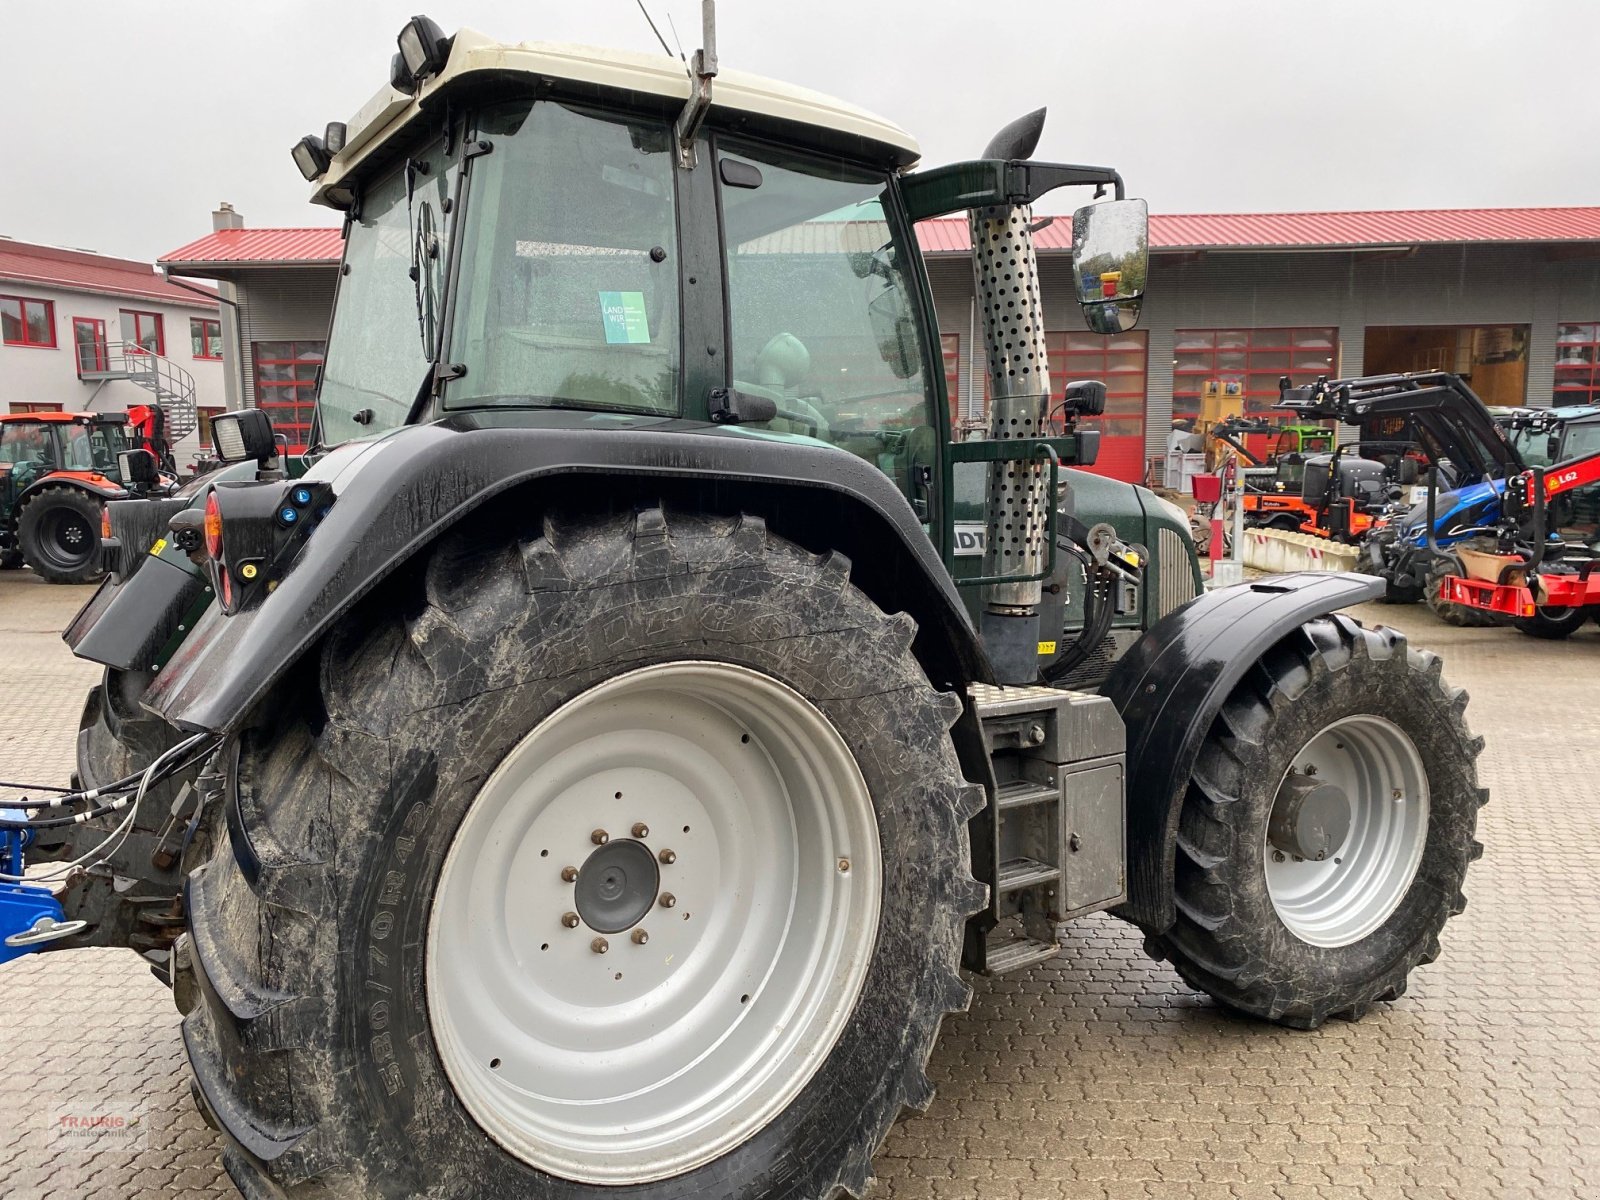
60, 418
797, 113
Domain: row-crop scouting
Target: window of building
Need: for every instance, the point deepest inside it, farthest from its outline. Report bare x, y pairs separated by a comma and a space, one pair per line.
27, 322
203, 424
1254, 358
144, 330
33, 406
205, 338
286, 386
1578, 363
89, 343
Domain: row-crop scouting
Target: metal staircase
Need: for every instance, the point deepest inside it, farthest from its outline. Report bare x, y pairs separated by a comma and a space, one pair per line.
172, 386
1058, 843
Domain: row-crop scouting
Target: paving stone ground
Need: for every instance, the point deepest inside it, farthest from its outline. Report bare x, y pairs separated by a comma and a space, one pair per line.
1099, 1075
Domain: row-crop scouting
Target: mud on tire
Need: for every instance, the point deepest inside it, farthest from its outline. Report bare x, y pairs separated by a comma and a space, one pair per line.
311, 1042
1229, 940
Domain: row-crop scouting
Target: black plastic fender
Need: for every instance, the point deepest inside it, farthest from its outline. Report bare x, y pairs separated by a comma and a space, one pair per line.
397, 493
1171, 685
61, 479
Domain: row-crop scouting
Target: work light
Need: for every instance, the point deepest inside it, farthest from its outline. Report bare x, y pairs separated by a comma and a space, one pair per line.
311, 156
422, 46
242, 436
334, 137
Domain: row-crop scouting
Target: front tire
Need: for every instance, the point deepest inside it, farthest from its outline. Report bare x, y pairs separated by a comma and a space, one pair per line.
404, 993
1297, 940
59, 535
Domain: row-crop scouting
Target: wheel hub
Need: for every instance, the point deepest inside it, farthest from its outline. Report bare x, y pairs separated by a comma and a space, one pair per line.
1310, 819
617, 886
1346, 832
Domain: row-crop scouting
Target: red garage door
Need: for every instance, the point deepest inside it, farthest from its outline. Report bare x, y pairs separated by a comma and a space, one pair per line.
1120, 361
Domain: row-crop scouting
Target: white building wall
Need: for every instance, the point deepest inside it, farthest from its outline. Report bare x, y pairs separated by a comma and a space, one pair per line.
30, 374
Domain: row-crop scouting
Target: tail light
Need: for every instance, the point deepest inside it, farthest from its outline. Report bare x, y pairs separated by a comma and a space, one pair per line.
213, 528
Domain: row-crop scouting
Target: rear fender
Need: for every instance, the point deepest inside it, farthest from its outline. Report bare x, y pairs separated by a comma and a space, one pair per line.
1169, 688
97, 486
396, 495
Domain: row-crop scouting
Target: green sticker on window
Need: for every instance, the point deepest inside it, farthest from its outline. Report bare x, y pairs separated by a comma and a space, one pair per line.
624, 317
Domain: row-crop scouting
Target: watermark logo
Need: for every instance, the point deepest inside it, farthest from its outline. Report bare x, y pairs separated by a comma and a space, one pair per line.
96, 1126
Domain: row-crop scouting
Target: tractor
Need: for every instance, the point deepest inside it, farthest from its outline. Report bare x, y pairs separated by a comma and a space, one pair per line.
57, 473
597, 769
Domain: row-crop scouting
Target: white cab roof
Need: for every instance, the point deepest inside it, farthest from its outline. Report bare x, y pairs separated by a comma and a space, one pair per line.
654, 74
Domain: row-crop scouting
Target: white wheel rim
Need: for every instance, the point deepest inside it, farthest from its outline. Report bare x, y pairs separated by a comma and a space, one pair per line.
1359, 885
744, 985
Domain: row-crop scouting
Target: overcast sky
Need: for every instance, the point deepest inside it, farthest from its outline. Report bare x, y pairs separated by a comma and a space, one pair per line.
126, 122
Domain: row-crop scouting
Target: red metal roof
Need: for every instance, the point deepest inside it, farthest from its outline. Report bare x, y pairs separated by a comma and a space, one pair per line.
1168, 232
1315, 230
259, 247
84, 271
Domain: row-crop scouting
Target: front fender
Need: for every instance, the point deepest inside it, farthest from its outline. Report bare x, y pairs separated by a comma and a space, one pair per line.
398, 493
1170, 687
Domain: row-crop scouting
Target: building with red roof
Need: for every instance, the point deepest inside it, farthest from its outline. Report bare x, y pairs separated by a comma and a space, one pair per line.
1508, 298
72, 321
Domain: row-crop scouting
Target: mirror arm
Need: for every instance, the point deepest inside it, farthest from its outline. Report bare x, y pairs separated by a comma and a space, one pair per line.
981, 183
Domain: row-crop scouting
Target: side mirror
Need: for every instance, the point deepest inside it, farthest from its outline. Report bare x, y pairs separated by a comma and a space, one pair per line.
1552, 446
243, 436
894, 331
1110, 259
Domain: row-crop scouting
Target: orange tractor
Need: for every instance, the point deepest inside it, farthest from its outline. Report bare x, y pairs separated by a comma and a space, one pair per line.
57, 470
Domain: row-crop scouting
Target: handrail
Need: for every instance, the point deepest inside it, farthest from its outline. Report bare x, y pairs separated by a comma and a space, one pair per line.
174, 386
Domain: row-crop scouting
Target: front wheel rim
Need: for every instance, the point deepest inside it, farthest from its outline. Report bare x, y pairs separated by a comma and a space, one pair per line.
1363, 880
615, 1058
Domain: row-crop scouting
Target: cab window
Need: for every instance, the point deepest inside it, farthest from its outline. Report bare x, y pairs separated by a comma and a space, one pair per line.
822, 309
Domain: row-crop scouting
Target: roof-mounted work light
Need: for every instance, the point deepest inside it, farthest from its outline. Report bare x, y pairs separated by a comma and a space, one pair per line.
335, 136
423, 47
311, 156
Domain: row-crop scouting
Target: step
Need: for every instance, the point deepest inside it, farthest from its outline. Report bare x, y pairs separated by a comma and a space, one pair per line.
1021, 792
1018, 873
1017, 952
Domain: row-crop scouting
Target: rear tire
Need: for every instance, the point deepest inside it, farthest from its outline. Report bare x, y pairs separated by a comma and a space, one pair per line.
59, 535
1298, 942
334, 1043
1553, 624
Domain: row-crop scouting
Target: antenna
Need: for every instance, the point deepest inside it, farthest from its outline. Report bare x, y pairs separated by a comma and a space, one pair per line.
678, 41
653, 28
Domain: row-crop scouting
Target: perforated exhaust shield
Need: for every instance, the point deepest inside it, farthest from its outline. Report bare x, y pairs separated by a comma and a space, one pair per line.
1007, 277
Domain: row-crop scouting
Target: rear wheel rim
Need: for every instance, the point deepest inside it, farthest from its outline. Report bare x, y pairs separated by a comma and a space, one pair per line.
1359, 885
65, 538
610, 1059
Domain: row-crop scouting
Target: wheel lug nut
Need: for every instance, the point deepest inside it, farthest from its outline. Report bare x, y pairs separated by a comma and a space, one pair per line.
640, 937
569, 874
599, 837
570, 920
668, 857
599, 945
667, 900
641, 830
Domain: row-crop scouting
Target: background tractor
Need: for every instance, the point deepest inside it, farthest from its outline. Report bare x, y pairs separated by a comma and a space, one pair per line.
597, 768
57, 472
